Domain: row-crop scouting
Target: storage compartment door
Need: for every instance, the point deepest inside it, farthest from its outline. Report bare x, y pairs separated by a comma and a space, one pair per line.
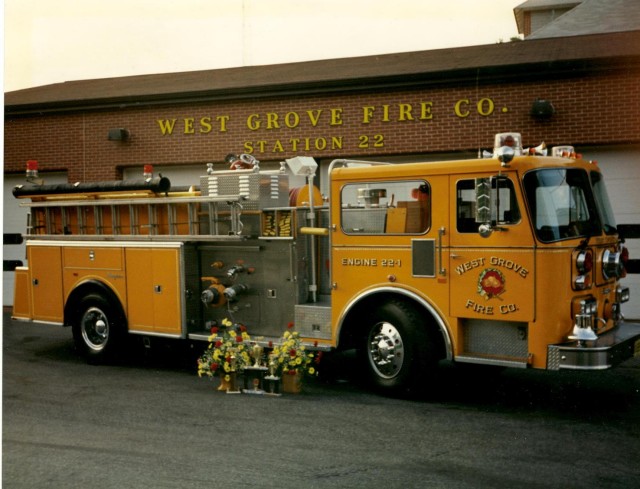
21, 306
153, 290
167, 291
45, 263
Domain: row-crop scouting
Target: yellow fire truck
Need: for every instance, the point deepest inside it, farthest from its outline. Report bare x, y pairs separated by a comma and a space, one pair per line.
512, 260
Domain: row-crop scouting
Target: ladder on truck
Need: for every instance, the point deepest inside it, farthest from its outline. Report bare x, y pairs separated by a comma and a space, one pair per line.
181, 216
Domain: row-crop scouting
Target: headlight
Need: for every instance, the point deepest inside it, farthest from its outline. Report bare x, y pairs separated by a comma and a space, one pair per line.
584, 261
611, 264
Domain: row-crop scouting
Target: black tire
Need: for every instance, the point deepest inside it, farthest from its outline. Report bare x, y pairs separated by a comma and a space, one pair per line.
397, 352
98, 328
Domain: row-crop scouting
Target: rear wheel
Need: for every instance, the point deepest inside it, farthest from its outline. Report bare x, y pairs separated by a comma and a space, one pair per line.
98, 327
397, 351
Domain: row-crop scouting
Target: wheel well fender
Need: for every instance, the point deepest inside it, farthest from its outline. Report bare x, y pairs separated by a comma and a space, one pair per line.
364, 303
84, 289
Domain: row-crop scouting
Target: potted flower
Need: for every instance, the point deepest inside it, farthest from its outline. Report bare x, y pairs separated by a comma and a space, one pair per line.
292, 360
227, 353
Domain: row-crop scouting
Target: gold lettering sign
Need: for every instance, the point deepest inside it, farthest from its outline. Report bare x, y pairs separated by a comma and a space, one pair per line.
494, 261
331, 118
490, 310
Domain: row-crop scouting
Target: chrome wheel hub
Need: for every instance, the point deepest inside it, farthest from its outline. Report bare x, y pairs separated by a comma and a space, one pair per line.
386, 350
95, 328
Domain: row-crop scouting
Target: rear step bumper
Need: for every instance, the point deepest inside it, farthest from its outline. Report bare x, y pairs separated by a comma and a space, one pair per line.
610, 349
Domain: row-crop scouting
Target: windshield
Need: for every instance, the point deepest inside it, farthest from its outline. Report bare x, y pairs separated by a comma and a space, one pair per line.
562, 204
602, 198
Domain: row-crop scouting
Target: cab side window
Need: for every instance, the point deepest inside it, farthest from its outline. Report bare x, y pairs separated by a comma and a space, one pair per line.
504, 210
386, 207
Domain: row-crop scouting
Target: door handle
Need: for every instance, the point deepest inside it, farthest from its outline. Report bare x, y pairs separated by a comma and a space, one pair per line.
443, 270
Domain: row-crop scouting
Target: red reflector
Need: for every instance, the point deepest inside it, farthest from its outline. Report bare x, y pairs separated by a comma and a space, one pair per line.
32, 165
624, 255
588, 261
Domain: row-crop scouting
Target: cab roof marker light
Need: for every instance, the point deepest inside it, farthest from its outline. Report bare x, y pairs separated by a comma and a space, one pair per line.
562, 151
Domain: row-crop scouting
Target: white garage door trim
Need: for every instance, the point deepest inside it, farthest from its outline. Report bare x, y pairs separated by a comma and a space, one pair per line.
14, 220
621, 168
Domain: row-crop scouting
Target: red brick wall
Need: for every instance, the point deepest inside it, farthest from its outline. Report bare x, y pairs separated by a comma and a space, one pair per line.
599, 109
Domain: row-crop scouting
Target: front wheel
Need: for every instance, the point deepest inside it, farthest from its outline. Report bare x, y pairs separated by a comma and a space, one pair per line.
397, 351
97, 328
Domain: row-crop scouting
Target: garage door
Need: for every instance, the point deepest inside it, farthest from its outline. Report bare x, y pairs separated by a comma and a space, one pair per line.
15, 222
621, 169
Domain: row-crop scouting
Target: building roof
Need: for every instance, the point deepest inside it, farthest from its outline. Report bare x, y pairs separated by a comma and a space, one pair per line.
593, 17
547, 4
533, 5
441, 66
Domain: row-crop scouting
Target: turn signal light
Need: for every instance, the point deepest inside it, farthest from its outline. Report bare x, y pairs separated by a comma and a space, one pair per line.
622, 295
582, 282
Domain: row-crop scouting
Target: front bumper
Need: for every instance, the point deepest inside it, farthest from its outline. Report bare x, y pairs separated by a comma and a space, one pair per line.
608, 350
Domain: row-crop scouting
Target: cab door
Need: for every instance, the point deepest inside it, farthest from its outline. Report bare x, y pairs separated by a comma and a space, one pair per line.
492, 278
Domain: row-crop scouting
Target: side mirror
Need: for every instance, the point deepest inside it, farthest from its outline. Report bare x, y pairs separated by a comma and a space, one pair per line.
485, 230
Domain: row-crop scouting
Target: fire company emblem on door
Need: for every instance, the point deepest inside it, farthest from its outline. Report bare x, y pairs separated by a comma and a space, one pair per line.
491, 283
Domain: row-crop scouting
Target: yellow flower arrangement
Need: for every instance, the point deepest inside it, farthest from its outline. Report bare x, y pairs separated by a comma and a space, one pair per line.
290, 355
227, 351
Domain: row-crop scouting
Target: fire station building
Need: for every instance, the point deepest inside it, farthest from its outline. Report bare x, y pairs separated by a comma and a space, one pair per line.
581, 90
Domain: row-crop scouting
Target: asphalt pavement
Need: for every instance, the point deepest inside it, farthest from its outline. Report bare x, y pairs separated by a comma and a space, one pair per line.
149, 421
